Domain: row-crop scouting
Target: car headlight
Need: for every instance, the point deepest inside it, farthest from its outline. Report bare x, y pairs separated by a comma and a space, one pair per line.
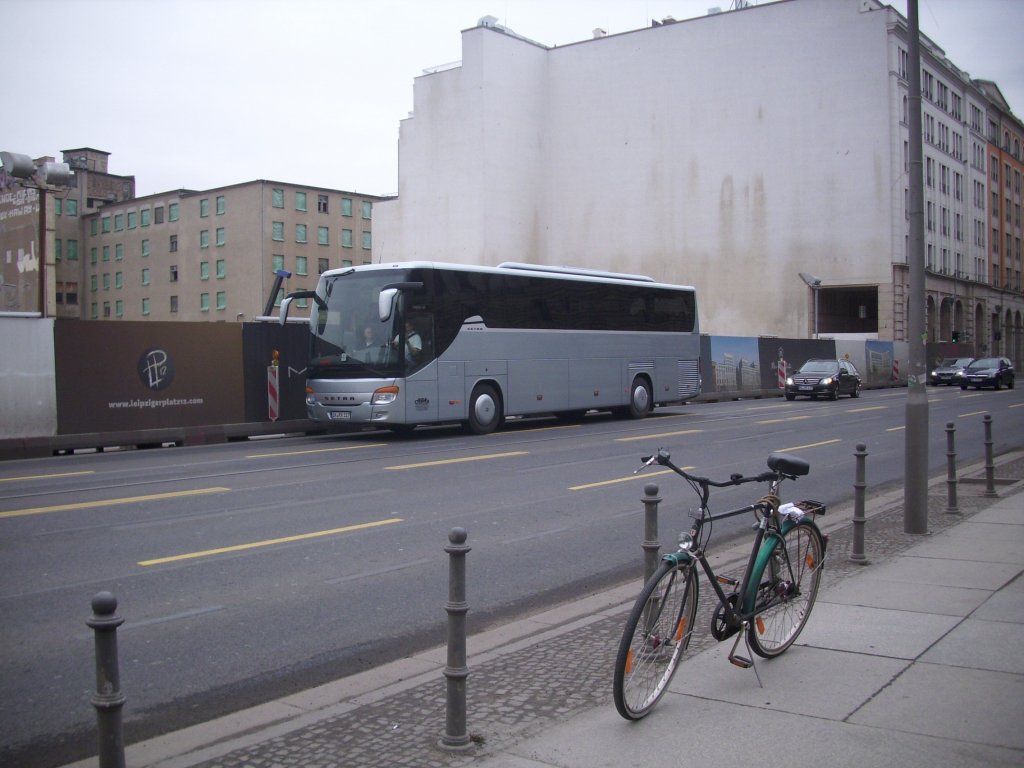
827, 381
789, 381
935, 373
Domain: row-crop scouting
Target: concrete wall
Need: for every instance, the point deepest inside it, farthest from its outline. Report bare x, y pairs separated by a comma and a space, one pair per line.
28, 391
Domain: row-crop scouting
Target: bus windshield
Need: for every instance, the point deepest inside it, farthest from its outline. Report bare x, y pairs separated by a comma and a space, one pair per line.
347, 337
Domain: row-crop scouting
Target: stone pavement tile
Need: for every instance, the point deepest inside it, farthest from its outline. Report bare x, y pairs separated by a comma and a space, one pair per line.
1010, 512
967, 705
991, 542
943, 572
715, 733
803, 680
992, 645
898, 595
874, 631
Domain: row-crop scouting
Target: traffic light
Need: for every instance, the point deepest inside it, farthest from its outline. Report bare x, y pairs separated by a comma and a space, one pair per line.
956, 337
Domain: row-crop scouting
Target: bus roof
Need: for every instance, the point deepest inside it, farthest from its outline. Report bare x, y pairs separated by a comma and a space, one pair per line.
506, 268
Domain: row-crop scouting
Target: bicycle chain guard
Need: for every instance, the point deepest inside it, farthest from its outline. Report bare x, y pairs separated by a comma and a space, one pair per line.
720, 628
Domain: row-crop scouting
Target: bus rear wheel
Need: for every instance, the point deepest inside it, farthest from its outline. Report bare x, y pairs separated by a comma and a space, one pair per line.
640, 399
484, 410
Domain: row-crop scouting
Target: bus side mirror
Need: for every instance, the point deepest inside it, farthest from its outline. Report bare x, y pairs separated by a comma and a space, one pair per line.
386, 303
285, 305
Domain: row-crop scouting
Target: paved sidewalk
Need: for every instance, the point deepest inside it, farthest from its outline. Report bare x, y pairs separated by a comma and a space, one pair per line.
914, 660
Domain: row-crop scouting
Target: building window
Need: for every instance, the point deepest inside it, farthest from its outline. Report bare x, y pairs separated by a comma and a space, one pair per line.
321, 203
277, 262
204, 270
92, 255
346, 238
300, 233
174, 304
72, 250
277, 198
119, 280
204, 207
145, 307
119, 252
71, 207
367, 209
57, 250
174, 273
277, 230
106, 310
145, 275
106, 253
172, 212
92, 226
172, 245
133, 219
346, 206
321, 266
221, 269
220, 205
106, 281
220, 236
323, 236
94, 283
145, 248
222, 300
119, 222
158, 215
204, 302
367, 242
119, 308
300, 201
300, 265
106, 224
144, 217
94, 311
204, 238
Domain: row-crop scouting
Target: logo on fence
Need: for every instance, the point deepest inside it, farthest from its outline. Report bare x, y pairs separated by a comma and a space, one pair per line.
156, 370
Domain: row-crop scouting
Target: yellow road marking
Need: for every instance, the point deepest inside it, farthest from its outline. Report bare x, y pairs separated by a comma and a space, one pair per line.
869, 408
809, 445
315, 450
268, 542
458, 461
621, 480
111, 502
660, 434
45, 477
785, 418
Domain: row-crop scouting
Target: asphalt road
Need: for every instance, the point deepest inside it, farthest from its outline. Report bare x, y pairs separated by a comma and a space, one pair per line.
249, 570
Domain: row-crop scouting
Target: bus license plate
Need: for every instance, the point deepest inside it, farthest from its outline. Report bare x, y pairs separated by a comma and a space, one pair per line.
340, 415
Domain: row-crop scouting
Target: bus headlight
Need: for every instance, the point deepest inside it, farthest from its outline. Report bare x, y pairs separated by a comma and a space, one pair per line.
384, 396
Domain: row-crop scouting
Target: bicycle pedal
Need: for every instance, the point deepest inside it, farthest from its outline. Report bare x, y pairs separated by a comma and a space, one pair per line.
741, 661
727, 581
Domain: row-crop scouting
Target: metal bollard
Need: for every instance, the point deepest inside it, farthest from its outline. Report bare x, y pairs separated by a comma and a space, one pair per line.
859, 484
952, 507
650, 545
456, 738
990, 467
108, 698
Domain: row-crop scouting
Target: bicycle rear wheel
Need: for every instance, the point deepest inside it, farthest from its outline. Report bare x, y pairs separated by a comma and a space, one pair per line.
787, 589
656, 634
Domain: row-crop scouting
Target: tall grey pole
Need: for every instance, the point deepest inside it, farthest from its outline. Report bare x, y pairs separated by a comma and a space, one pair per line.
915, 488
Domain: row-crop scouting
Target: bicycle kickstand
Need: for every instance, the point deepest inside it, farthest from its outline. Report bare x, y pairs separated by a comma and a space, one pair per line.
744, 662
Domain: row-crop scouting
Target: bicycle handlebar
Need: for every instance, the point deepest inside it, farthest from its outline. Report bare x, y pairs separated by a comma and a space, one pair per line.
665, 459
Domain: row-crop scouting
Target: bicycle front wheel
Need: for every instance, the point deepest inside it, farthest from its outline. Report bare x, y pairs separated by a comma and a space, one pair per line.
786, 589
656, 634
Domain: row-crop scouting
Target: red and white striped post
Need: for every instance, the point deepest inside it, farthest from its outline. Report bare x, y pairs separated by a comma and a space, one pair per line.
273, 390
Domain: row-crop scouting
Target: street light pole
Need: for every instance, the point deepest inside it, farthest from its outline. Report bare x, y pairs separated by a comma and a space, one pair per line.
915, 488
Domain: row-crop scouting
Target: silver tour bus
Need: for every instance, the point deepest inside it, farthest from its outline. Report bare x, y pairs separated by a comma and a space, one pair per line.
396, 345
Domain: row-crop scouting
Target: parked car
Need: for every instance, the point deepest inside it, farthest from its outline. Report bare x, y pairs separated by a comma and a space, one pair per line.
830, 378
947, 372
988, 372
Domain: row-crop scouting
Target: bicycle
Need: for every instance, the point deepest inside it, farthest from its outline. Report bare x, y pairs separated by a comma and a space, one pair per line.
768, 607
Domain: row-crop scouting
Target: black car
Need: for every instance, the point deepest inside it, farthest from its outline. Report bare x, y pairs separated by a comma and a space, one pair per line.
830, 378
988, 372
948, 371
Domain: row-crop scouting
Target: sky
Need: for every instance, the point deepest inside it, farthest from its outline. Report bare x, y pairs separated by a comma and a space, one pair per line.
198, 94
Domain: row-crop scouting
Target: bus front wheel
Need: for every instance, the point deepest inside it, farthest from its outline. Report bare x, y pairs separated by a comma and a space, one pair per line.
640, 399
484, 410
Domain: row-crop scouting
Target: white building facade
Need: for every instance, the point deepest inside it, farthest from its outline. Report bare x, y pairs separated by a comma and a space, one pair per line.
730, 152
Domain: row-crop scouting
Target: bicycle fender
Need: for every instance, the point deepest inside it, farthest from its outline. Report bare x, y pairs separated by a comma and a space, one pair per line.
678, 558
767, 549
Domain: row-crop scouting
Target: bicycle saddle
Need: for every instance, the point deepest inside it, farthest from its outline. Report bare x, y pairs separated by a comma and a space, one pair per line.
788, 464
